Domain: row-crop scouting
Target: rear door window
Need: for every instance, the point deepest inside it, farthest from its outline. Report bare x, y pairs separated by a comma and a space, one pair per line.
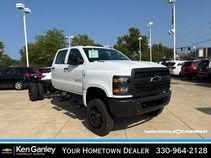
60, 58
21, 70
6, 71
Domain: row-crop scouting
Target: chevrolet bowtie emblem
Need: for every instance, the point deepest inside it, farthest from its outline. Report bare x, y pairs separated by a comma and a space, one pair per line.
155, 79
6, 151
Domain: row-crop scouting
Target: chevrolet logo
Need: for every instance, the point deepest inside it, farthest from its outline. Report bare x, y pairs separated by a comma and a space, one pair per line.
155, 79
6, 151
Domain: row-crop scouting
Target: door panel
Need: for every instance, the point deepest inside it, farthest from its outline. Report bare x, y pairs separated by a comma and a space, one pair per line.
73, 73
58, 70
73, 78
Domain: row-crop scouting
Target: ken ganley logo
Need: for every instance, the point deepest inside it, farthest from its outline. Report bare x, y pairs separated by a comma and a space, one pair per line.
6, 151
34, 150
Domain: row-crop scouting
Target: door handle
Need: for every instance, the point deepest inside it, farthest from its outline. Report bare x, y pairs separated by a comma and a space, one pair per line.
66, 68
53, 68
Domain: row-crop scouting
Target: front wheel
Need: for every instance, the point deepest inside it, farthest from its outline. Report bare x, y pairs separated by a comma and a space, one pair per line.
99, 120
154, 113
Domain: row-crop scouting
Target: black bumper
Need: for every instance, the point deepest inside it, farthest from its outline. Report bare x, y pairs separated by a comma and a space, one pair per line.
135, 106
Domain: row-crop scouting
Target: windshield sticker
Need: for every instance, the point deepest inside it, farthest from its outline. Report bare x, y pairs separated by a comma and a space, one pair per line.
93, 53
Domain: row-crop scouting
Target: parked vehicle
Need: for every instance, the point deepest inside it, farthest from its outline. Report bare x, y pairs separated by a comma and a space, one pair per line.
204, 69
175, 67
45, 73
190, 69
16, 77
33, 73
109, 83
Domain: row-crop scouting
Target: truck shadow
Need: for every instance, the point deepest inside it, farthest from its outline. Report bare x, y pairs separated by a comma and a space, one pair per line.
74, 111
206, 110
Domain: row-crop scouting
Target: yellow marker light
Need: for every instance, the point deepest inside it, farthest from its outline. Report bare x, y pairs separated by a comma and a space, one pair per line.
116, 90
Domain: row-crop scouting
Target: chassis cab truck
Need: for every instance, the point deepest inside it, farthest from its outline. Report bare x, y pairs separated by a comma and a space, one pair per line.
109, 83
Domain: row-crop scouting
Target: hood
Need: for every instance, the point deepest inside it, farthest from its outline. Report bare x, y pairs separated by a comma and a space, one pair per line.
124, 66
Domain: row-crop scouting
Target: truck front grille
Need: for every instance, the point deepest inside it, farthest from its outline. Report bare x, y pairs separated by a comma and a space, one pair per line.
149, 82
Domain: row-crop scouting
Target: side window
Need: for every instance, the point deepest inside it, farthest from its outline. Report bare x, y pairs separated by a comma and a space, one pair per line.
60, 58
6, 71
12, 71
75, 54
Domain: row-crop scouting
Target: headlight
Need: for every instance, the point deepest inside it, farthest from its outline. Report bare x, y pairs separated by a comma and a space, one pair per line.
121, 85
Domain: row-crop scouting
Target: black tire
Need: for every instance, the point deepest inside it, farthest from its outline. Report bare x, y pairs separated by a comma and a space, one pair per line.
18, 85
41, 92
99, 120
154, 113
33, 92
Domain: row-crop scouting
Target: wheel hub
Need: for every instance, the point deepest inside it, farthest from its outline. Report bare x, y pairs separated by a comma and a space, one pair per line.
18, 85
95, 118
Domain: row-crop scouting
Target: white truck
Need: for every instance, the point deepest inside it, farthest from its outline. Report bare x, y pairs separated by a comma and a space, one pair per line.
109, 83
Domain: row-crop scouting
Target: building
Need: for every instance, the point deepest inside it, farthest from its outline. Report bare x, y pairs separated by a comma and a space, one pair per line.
204, 52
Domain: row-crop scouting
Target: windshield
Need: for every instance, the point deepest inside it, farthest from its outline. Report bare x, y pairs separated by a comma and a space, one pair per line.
187, 64
95, 54
170, 64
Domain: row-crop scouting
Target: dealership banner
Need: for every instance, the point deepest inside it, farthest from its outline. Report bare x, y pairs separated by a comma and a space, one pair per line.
113, 149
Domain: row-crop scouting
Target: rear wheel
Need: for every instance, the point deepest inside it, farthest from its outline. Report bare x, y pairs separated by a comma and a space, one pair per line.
33, 92
18, 85
99, 120
41, 92
154, 113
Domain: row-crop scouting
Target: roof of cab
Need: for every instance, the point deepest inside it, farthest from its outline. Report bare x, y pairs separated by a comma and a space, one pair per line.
85, 47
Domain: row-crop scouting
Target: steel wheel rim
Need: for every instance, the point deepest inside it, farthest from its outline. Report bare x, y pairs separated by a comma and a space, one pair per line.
95, 118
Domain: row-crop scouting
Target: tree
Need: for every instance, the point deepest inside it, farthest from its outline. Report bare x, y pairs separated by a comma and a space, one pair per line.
83, 40
159, 52
129, 44
6, 60
43, 50
1, 48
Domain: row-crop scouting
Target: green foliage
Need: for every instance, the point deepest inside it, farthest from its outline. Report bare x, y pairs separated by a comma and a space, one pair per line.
159, 52
129, 44
1, 48
83, 40
5, 60
42, 51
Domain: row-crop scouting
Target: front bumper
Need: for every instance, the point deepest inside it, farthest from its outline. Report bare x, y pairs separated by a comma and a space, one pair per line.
135, 106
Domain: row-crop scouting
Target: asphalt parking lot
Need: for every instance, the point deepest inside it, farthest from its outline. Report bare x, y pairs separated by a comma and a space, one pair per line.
189, 109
